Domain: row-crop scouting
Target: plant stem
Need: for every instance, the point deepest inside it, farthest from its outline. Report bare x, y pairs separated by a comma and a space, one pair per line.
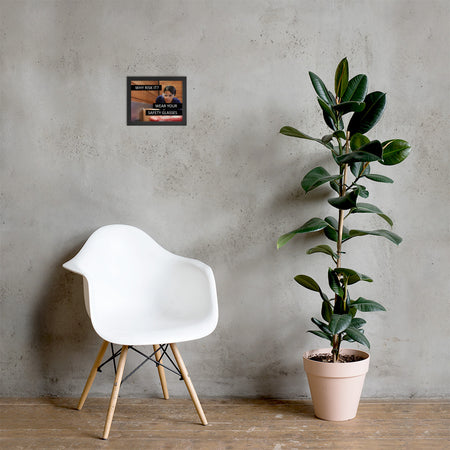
342, 191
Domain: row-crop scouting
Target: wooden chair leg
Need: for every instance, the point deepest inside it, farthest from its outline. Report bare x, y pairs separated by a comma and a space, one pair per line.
162, 375
189, 385
115, 391
90, 380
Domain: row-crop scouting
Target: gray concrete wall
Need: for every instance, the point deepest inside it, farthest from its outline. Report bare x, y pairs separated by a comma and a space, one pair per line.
222, 188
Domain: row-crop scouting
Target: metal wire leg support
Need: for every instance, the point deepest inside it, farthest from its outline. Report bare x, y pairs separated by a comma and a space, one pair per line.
162, 348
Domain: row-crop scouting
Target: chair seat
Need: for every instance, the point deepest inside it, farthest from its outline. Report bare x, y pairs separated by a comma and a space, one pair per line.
132, 330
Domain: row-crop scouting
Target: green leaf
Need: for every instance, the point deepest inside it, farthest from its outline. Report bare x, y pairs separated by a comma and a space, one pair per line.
379, 178
365, 120
329, 121
357, 336
331, 234
351, 276
362, 191
339, 323
338, 125
364, 305
356, 89
357, 156
327, 311
326, 108
347, 201
320, 88
324, 297
395, 238
339, 134
395, 151
334, 186
321, 325
357, 322
331, 230
373, 151
358, 140
334, 283
322, 249
358, 170
371, 209
307, 282
316, 177
330, 220
290, 131
341, 78
321, 334
346, 107
314, 224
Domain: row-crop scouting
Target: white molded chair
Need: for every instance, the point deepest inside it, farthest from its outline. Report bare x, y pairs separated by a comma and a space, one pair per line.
138, 293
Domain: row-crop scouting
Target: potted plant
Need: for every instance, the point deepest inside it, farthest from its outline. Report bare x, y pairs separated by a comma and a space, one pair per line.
354, 153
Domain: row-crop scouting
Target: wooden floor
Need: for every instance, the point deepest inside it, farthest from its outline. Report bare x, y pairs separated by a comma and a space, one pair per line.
233, 424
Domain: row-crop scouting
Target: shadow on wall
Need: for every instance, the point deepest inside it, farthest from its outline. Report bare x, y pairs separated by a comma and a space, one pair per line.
62, 334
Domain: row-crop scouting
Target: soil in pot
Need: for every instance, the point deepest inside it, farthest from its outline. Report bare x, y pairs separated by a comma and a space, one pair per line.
328, 357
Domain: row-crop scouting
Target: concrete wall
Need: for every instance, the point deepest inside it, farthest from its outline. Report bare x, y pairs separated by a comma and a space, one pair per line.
222, 188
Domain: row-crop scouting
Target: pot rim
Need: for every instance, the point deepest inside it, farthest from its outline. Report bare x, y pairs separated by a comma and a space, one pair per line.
345, 351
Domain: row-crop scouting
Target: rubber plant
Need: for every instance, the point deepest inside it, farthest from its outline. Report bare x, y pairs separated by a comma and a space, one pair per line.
354, 154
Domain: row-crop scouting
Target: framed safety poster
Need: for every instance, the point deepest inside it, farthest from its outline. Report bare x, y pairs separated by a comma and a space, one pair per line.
156, 100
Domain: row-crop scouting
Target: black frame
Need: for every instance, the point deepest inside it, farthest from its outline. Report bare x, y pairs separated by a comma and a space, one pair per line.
159, 79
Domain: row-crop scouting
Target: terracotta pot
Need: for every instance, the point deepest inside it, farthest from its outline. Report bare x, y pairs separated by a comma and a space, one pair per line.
336, 387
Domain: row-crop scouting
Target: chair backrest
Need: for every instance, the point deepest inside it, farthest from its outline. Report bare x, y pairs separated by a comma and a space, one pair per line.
121, 261
117, 250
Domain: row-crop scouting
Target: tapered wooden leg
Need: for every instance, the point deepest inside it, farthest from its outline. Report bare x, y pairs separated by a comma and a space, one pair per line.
115, 391
90, 380
189, 385
162, 375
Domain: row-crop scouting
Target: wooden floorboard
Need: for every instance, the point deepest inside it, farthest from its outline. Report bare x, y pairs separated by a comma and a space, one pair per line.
54, 423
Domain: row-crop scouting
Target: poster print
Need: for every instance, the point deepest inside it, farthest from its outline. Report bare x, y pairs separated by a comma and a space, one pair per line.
156, 100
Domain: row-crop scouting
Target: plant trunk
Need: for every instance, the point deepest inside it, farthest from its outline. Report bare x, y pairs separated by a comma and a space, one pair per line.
337, 337
336, 347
